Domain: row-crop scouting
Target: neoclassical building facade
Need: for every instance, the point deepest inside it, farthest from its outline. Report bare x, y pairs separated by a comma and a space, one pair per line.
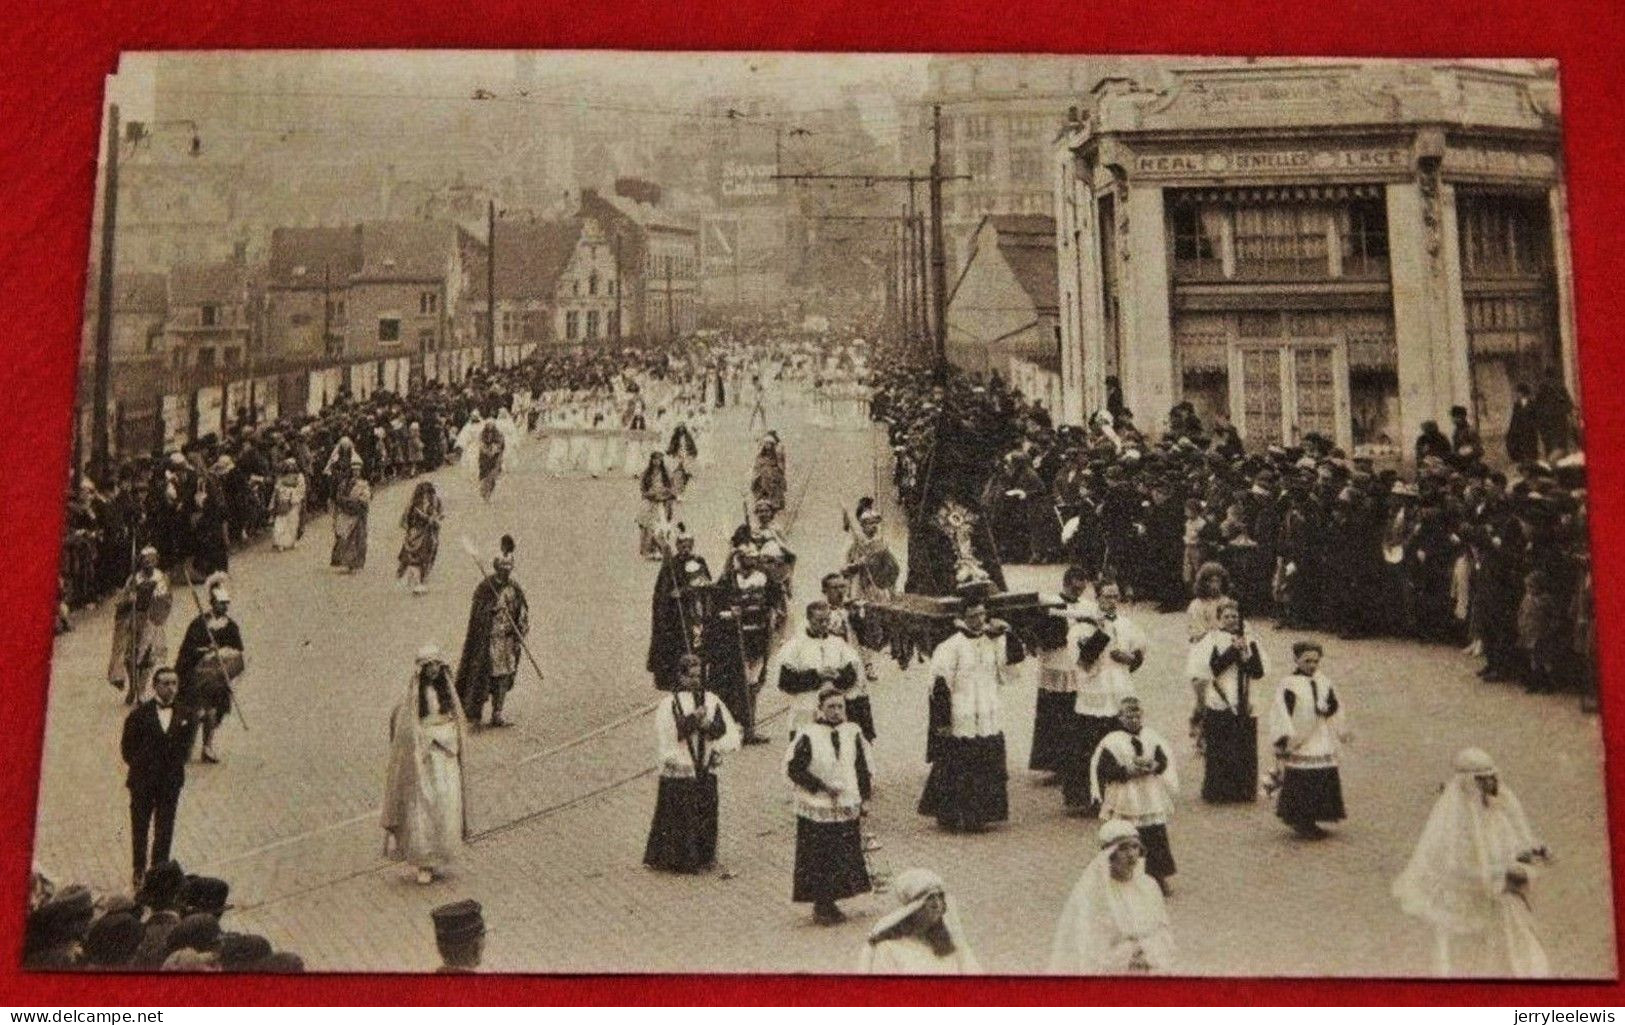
1346, 248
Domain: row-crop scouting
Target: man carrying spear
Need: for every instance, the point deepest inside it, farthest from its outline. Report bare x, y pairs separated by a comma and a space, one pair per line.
498, 621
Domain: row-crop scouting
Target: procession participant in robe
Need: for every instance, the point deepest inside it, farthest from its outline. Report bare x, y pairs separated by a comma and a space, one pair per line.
140, 613
1054, 720
352, 496
692, 731
1211, 588
922, 935
828, 762
421, 543
683, 449
675, 623
844, 622
1307, 730
1222, 667
1133, 778
768, 482
210, 659
425, 816
738, 638
1115, 922
659, 498
486, 458
967, 786
287, 506
498, 620
1109, 649
468, 436
774, 549
811, 659
1470, 876
871, 571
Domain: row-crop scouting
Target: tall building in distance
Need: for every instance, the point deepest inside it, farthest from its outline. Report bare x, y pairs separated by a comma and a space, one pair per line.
1000, 118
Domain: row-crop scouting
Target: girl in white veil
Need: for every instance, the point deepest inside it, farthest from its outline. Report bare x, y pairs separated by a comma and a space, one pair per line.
425, 816
922, 936
1115, 921
1470, 874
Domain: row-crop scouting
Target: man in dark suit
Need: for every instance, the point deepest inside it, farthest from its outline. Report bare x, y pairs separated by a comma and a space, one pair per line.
157, 740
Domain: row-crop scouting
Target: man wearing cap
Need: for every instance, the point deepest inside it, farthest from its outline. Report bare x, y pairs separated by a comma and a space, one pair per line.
459, 935
692, 729
498, 621
967, 789
156, 742
211, 657
1470, 875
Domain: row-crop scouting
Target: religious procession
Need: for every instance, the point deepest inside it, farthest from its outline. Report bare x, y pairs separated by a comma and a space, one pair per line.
962, 633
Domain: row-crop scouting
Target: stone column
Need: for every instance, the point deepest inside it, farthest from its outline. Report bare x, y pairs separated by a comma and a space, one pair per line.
1148, 352
1431, 340
1563, 269
1082, 318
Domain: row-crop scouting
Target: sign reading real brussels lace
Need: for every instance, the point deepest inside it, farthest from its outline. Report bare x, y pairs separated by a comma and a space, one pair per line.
1385, 159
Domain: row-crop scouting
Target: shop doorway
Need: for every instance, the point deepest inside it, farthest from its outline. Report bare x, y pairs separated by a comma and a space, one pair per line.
1287, 390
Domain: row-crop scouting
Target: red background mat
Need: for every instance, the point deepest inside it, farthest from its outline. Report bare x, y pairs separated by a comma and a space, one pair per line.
53, 57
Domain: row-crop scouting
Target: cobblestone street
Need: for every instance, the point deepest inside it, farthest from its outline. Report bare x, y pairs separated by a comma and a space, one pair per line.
560, 806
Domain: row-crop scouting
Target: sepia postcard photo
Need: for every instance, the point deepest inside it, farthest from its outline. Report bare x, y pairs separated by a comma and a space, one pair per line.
619, 512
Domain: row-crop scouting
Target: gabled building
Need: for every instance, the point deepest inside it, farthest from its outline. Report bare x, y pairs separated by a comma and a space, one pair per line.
1002, 312
658, 255
556, 283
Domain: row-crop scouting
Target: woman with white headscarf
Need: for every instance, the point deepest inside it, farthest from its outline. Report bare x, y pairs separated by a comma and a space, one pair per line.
1470, 874
1115, 922
425, 817
922, 935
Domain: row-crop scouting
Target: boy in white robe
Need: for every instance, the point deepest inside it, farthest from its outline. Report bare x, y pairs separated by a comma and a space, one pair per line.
812, 659
1307, 730
1133, 779
692, 731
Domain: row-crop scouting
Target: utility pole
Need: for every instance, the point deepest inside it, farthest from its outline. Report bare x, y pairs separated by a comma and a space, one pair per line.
939, 260
919, 325
939, 270
671, 327
327, 310
490, 282
619, 288
104, 299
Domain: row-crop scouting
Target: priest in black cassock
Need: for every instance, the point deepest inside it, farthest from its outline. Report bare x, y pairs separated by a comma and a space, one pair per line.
692, 729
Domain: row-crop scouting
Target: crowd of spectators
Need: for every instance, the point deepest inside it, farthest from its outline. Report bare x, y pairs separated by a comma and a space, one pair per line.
1451, 549
173, 923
